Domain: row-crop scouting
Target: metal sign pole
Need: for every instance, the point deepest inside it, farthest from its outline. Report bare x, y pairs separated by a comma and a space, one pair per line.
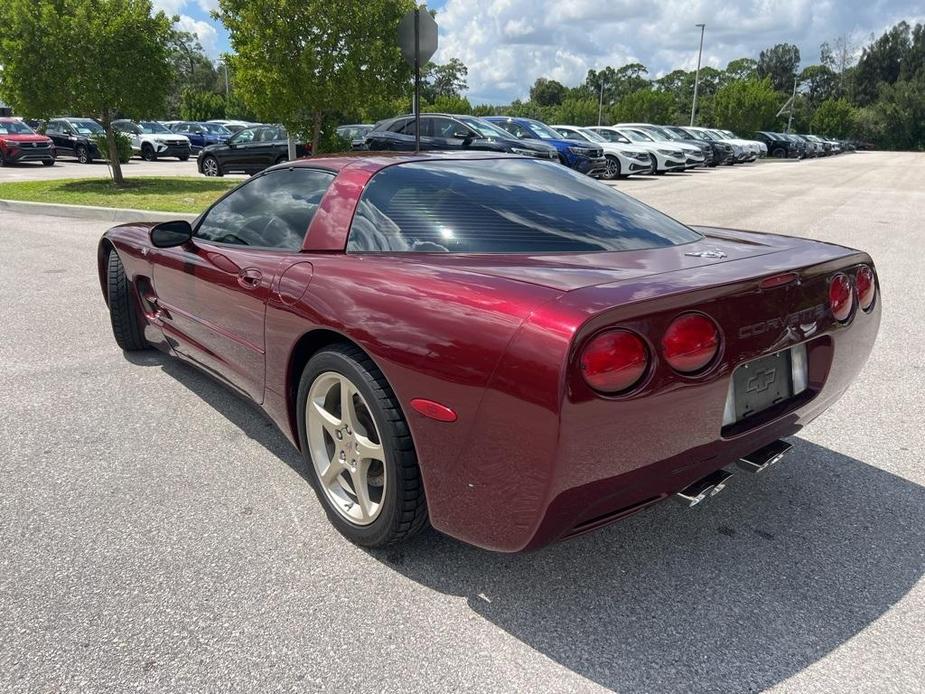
417, 81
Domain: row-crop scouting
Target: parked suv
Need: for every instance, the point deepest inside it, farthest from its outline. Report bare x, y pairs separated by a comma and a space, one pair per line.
442, 131
200, 134
579, 154
722, 151
73, 137
696, 153
780, 146
249, 151
356, 133
151, 139
19, 143
622, 158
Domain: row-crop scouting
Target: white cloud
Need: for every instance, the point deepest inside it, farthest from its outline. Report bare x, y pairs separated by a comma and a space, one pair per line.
507, 44
207, 5
205, 32
170, 7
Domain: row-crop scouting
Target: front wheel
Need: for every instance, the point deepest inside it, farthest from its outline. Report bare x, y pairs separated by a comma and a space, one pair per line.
123, 307
183, 157
358, 449
612, 168
83, 155
48, 162
147, 152
210, 167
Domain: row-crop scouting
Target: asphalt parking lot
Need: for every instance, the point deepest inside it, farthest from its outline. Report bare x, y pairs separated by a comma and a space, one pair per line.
71, 168
156, 535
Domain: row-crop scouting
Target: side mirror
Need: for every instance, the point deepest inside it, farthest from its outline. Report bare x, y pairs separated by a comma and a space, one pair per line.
462, 135
170, 234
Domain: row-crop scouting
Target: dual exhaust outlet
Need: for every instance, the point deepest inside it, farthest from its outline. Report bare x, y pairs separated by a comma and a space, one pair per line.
715, 482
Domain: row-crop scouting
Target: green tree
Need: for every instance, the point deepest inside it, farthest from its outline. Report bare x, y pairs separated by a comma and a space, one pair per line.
296, 60
899, 53
835, 118
105, 58
445, 80
191, 69
746, 106
575, 112
617, 82
819, 83
742, 69
447, 104
547, 92
200, 105
780, 64
900, 112
645, 106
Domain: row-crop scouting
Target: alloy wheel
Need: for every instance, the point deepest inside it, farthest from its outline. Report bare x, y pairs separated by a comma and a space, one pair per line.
210, 167
613, 168
346, 448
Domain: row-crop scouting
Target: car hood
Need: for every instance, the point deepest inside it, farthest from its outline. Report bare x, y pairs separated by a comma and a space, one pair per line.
163, 137
624, 148
537, 145
11, 137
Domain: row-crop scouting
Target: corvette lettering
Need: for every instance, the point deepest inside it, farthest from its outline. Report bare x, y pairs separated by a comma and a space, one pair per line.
804, 319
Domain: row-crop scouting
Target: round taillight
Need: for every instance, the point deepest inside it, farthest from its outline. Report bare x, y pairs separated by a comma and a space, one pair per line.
841, 298
691, 342
614, 361
864, 282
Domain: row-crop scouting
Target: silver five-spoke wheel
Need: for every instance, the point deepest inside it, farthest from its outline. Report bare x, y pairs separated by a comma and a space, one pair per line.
346, 448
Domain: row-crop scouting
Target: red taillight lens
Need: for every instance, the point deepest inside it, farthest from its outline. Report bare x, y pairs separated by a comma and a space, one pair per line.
864, 281
614, 361
691, 342
840, 297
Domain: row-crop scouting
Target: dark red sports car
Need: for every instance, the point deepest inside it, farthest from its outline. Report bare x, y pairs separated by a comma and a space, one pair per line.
494, 344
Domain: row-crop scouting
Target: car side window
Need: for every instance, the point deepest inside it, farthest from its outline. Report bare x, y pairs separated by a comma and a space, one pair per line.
244, 136
398, 125
53, 128
270, 211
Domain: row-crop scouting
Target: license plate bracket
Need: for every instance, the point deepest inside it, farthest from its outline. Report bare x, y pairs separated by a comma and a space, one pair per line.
762, 383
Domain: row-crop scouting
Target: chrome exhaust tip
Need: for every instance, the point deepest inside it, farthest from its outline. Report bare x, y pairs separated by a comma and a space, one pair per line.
765, 457
703, 488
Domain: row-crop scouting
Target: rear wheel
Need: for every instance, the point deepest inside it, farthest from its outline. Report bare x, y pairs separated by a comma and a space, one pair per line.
612, 168
123, 307
778, 153
358, 449
83, 155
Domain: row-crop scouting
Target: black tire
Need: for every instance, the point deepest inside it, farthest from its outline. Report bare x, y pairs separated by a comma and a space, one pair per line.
83, 155
281, 159
48, 162
208, 169
147, 152
183, 157
404, 507
779, 153
612, 172
123, 307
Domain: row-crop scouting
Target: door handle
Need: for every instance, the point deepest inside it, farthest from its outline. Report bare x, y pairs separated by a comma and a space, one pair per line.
249, 278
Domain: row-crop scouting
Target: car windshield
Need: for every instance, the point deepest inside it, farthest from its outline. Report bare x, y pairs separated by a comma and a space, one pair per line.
636, 135
87, 127
216, 129
593, 136
150, 127
15, 127
612, 136
543, 130
720, 135
485, 129
683, 134
503, 206
656, 134
574, 135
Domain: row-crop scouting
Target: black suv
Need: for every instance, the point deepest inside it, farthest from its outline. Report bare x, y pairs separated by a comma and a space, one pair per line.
248, 151
780, 146
720, 152
441, 131
73, 137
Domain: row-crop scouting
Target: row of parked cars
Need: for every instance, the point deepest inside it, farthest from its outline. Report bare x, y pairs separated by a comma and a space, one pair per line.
221, 146
607, 152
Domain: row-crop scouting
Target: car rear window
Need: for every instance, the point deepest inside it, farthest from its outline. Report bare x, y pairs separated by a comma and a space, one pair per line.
502, 206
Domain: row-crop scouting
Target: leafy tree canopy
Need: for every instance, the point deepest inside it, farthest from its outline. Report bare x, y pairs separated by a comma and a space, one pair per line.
779, 63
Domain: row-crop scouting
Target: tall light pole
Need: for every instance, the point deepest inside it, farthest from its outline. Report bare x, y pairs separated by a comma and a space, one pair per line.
600, 104
225, 65
697, 74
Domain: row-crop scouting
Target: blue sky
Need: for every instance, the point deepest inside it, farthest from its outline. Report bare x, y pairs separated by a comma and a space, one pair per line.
507, 44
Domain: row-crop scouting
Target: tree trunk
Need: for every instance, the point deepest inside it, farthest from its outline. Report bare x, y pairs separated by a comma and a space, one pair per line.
316, 133
113, 154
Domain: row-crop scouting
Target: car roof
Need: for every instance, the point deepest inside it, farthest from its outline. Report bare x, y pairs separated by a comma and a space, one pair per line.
375, 161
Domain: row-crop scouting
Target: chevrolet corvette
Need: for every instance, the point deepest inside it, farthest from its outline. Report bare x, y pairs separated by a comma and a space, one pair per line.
491, 344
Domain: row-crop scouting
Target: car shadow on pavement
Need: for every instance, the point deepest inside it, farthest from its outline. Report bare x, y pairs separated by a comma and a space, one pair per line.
737, 595
766, 579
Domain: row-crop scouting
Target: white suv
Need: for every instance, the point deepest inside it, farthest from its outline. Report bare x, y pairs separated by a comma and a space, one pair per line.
151, 140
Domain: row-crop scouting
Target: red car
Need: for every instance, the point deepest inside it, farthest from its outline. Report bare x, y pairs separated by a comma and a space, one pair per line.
493, 344
19, 143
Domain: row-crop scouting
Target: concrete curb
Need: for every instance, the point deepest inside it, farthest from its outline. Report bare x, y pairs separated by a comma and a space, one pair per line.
106, 214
